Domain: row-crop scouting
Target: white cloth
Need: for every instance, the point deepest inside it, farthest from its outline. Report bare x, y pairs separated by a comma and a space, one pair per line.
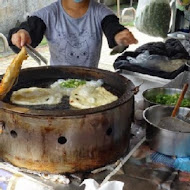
24, 183
91, 184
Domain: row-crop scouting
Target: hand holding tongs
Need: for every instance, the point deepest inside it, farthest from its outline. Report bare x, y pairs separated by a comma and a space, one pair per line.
35, 55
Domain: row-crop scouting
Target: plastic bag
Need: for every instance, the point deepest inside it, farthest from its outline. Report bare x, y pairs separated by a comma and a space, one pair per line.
182, 164
149, 61
156, 62
153, 17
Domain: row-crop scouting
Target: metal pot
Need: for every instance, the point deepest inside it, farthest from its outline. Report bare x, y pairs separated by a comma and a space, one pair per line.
166, 141
159, 90
58, 139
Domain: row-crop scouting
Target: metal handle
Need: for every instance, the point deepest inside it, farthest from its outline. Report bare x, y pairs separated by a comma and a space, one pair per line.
33, 55
2, 127
136, 89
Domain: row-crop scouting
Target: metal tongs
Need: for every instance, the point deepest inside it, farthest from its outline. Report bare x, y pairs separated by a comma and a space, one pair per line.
35, 55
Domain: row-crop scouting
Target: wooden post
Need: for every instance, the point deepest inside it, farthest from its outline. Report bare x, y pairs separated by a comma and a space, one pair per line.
131, 3
118, 8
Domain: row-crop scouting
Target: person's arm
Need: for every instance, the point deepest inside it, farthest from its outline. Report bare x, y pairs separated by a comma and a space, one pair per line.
111, 26
116, 33
36, 29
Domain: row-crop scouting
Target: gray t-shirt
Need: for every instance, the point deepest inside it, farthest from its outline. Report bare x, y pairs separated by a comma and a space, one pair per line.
74, 41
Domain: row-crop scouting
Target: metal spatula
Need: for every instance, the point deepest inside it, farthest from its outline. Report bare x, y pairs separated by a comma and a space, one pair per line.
173, 121
118, 49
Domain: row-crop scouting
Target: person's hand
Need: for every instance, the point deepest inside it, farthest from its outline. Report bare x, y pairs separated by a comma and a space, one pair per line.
21, 38
125, 37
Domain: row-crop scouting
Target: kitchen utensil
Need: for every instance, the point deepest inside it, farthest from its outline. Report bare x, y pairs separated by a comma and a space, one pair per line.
185, 118
172, 121
118, 49
35, 55
171, 140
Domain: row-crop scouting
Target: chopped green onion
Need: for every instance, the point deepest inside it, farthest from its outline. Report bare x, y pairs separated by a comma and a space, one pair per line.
72, 83
168, 99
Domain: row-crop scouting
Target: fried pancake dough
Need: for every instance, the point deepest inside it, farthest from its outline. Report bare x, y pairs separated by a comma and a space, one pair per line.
86, 96
36, 96
12, 73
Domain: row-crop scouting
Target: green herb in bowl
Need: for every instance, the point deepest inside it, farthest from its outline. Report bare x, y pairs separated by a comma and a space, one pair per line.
169, 99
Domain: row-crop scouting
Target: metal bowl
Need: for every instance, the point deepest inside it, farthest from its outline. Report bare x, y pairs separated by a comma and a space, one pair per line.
166, 141
160, 90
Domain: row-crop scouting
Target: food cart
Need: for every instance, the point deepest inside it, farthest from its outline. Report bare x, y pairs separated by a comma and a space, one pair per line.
138, 168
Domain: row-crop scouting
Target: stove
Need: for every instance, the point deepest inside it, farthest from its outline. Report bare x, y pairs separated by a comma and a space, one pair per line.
139, 172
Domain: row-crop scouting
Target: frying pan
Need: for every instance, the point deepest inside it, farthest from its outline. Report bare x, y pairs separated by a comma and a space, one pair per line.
60, 139
45, 76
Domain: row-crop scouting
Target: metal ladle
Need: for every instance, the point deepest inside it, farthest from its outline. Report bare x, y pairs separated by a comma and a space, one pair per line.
185, 118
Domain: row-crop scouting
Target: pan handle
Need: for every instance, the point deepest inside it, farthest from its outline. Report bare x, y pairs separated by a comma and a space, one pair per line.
136, 89
2, 127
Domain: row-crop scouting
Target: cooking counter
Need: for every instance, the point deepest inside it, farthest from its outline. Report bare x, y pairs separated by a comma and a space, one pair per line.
145, 82
139, 172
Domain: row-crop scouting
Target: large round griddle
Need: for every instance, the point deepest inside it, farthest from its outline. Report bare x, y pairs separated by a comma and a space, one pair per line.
60, 139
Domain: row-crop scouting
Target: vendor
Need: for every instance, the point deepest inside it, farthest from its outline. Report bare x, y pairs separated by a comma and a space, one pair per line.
73, 29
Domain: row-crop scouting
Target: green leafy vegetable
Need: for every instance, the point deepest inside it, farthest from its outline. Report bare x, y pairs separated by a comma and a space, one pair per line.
168, 99
154, 19
72, 83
